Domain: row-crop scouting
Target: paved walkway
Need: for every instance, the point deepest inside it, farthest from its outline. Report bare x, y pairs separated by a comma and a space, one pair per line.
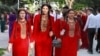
4, 42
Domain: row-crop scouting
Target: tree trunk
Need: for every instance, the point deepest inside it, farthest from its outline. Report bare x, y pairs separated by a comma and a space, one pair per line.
66, 1
69, 3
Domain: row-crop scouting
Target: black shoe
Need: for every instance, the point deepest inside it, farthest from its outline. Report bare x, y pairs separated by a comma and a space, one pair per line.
90, 52
98, 51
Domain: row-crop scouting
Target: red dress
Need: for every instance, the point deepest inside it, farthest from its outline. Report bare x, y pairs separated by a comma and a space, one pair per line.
84, 35
43, 42
70, 43
20, 46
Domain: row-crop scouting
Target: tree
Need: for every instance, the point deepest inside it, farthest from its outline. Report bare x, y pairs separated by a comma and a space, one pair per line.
90, 3
70, 3
60, 2
78, 6
9, 3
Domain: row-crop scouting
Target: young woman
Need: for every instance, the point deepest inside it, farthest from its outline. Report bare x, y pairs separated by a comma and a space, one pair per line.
58, 30
19, 39
71, 34
84, 34
43, 32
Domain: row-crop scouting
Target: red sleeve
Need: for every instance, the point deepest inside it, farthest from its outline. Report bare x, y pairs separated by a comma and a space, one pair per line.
62, 24
52, 22
29, 28
57, 28
11, 39
35, 28
59, 25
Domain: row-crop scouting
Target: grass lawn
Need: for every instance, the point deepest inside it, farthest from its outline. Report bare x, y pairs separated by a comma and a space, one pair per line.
2, 51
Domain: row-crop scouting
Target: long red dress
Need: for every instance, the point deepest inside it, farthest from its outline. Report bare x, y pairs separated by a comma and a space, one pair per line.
20, 46
84, 36
43, 42
70, 43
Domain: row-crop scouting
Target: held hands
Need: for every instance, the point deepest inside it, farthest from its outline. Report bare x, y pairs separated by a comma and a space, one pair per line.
9, 47
32, 45
51, 33
62, 32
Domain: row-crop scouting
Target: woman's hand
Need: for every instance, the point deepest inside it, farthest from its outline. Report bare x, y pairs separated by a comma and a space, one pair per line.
9, 47
32, 45
62, 32
51, 33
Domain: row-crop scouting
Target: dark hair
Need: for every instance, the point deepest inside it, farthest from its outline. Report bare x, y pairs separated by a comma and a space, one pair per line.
49, 7
64, 11
70, 10
90, 9
65, 7
38, 9
20, 11
98, 9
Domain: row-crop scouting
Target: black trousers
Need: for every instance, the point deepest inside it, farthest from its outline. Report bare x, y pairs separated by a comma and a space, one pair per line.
91, 33
98, 40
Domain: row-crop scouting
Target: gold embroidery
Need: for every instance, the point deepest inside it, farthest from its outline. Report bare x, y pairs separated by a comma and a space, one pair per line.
44, 23
71, 28
23, 29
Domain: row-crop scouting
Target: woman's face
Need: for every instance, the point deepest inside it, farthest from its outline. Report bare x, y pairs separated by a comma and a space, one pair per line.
71, 14
22, 14
45, 10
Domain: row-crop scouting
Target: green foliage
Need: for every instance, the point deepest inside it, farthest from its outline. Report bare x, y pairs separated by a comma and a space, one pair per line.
6, 8
78, 6
2, 51
9, 3
61, 2
90, 3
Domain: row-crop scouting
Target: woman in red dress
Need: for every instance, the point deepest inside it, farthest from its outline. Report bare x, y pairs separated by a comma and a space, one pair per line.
84, 35
19, 40
43, 32
71, 34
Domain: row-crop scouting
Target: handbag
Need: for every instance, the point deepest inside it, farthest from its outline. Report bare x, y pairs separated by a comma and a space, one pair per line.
56, 43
